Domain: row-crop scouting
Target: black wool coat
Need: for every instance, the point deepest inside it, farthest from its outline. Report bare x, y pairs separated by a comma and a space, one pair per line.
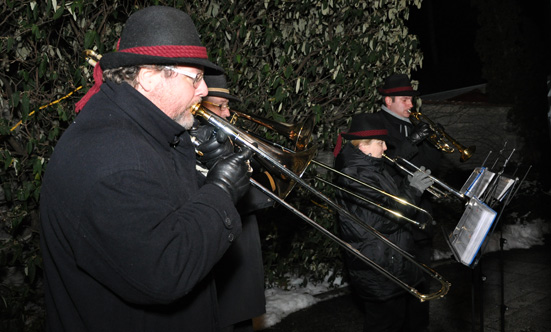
240, 273
129, 237
369, 284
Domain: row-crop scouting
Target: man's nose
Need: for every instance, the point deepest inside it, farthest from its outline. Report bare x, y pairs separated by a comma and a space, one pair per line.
225, 113
202, 90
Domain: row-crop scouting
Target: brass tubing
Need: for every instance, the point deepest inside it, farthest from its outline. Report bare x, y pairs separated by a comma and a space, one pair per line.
446, 187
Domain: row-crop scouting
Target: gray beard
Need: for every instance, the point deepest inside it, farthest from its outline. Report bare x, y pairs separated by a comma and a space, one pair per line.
185, 120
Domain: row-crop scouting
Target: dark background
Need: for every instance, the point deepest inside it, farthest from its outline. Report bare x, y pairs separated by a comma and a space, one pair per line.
447, 31
503, 44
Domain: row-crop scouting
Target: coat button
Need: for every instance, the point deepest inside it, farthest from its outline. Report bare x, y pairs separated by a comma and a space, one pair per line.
231, 237
228, 223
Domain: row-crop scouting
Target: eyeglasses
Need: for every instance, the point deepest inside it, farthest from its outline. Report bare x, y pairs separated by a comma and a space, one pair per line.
221, 106
196, 77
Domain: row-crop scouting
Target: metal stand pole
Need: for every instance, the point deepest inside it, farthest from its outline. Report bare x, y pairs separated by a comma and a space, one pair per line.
504, 308
477, 296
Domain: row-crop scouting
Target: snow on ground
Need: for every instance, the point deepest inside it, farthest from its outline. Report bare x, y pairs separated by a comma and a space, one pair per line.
280, 303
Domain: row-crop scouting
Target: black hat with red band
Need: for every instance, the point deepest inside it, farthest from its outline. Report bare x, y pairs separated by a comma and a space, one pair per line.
397, 85
155, 35
362, 126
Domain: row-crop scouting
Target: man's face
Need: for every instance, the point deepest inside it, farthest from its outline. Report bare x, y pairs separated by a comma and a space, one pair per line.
174, 93
217, 105
399, 105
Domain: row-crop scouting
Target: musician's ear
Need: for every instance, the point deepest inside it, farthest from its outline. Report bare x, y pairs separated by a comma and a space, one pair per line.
147, 79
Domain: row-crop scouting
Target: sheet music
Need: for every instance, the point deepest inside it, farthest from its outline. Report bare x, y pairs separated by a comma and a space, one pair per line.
477, 182
471, 231
503, 186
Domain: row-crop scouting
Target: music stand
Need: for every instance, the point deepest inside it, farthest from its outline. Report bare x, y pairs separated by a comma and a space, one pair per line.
471, 231
478, 182
469, 239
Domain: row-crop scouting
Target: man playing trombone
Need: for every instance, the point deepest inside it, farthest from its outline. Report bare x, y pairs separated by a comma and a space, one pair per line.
130, 230
386, 306
239, 274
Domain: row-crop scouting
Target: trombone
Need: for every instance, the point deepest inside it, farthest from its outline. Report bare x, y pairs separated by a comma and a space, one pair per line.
396, 198
268, 155
290, 167
302, 140
299, 133
439, 136
437, 192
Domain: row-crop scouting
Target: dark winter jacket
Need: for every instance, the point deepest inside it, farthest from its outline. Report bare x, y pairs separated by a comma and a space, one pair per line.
422, 154
240, 273
368, 283
129, 237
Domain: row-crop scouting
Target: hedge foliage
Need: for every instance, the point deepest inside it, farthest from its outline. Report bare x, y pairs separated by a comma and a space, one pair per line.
285, 59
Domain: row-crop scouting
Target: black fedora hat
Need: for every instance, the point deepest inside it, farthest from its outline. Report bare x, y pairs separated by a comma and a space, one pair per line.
159, 35
218, 87
363, 126
398, 85
156, 35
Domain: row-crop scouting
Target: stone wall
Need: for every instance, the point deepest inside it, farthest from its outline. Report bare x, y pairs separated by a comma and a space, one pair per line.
477, 124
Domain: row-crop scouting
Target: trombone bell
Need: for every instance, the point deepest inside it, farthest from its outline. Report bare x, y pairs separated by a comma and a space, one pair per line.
467, 153
299, 133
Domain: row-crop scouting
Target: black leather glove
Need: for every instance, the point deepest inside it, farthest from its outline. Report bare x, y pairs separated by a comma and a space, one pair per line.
420, 132
214, 144
232, 175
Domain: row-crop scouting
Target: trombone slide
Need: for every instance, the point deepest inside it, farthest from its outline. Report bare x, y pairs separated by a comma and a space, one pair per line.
395, 213
437, 192
445, 285
396, 198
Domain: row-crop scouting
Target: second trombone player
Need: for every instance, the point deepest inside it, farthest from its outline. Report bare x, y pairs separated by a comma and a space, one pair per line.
386, 306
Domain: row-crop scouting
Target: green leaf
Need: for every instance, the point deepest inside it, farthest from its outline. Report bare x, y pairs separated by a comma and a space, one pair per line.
29, 147
7, 193
15, 98
279, 94
58, 12
89, 39
36, 31
288, 71
8, 159
42, 67
25, 106
10, 44
37, 166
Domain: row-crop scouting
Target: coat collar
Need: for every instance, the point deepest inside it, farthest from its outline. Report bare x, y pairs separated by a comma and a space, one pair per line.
389, 112
351, 156
141, 110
